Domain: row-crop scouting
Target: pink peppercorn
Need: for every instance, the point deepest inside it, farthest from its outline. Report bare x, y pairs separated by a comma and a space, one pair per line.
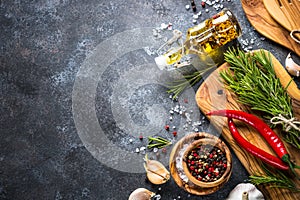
203, 4
167, 127
174, 133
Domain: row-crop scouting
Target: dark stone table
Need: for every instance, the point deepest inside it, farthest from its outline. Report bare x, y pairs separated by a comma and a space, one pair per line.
79, 86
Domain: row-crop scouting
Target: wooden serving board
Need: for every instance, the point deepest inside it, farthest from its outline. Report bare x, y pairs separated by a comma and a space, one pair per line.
263, 22
212, 95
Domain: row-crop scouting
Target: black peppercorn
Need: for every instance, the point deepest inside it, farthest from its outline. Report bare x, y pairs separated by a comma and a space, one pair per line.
206, 163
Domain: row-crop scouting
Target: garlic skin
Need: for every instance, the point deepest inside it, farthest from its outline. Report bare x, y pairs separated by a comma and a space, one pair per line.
244, 190
141, 194
292, 67
156, 171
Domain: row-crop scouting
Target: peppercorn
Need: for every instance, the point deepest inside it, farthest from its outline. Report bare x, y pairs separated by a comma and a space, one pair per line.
174, 133
141, 137
206, 162
203, 4
193, 5
167, 127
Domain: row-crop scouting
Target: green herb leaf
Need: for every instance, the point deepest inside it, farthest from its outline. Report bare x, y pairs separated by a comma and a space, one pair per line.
178, 86
274, 178
253, 79
157, 142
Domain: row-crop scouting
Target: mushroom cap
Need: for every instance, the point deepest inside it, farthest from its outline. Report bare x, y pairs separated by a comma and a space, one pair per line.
253, 192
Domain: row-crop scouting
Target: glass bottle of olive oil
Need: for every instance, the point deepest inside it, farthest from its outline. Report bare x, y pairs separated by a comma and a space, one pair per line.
204, 39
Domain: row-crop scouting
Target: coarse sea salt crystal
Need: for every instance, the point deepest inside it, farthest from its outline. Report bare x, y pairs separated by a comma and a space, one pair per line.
178, 164
142, 148
164, 26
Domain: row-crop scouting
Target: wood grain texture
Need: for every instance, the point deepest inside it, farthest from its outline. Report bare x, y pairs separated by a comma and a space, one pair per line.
292, 89
209, 97
177, 151
286, 13
263, 22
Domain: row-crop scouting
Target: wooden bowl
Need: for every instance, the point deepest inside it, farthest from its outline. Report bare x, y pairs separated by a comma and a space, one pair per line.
204, 139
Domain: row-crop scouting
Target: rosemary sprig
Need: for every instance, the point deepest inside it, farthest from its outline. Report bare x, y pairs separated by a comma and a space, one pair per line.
275, 179
178, 86
157, 142
252, 78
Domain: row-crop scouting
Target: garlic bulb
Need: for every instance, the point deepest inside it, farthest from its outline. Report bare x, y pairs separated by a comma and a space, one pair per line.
141, 194
292, 67
156, 172
245, 191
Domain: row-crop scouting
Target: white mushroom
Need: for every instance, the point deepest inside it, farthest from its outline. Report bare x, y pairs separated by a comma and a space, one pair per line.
245, 191
292, 67
141, 194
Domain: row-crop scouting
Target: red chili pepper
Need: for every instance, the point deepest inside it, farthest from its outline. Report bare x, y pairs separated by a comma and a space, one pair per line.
273, 140
255, 151
271, 137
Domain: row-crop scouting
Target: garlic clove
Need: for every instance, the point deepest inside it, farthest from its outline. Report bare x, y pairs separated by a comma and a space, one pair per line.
156, 171
141, 194
292, 67
245, 191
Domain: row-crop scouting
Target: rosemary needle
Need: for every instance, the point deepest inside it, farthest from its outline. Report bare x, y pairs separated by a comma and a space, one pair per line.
158, 142
256, 85
178, 86
274, 178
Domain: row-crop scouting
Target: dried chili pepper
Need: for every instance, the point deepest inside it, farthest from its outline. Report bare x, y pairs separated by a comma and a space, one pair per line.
255, 151
273, 140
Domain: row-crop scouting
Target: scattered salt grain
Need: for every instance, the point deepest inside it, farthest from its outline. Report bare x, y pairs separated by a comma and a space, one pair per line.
164, 26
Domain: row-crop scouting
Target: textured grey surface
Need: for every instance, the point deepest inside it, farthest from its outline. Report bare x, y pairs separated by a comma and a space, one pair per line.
46, 150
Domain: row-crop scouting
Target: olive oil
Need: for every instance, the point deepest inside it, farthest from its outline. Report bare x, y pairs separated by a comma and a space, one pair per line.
204, 39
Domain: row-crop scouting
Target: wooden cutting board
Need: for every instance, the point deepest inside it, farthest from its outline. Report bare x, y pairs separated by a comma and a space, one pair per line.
212, 95
263, 22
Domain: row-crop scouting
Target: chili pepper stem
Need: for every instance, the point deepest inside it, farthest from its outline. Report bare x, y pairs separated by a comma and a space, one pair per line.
286, 158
